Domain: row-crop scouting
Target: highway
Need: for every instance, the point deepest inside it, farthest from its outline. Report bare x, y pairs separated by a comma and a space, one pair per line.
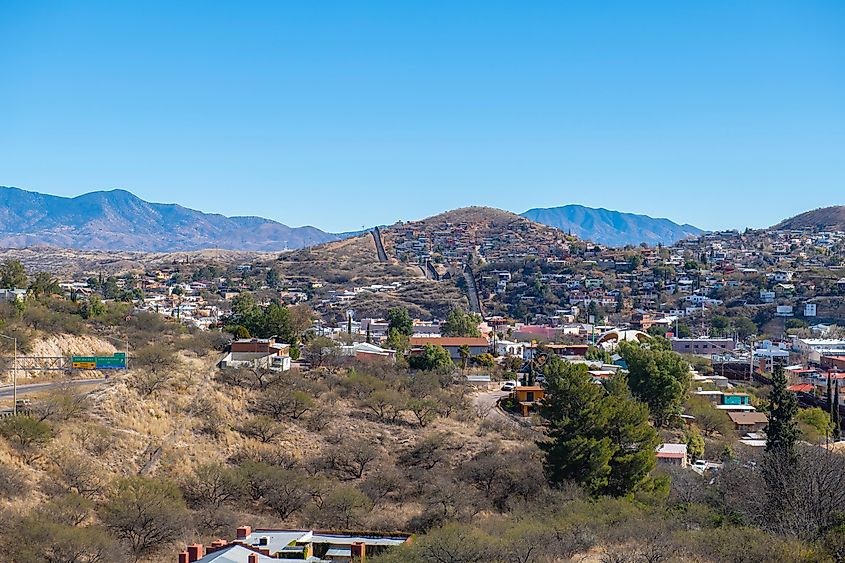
6, 391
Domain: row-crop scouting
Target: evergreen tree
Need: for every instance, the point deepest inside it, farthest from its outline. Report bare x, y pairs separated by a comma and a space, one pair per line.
836, 418
781, 457
399, 320
598, 437
782, 429
658, 377
460, 323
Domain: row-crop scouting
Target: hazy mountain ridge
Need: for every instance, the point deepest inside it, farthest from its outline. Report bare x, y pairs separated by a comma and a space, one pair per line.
119, 220
612, 228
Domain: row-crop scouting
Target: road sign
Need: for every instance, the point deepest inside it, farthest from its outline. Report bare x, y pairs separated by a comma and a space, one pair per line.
117, 361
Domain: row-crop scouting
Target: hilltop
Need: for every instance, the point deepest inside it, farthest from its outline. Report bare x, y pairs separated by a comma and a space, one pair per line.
119, 220
830, 218
612, 228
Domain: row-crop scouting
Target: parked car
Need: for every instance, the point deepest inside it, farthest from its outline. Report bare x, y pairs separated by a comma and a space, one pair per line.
509, 386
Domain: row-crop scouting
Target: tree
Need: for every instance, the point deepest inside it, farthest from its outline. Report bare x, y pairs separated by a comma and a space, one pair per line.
485, 360
43, 284
396, 341
155, 358
343, 507
695, 443
92, 308
145, 513
386, 404
837, 417
211, 485
432, 358
658, 377
781, 431
597, 437
399, 320
425, 410
465, 353
12, 274
282, 402
320, 349
744, 327
781, 436
262, 428
460, 323
710, 419
61, 403
26, 435
817, 422
42, 539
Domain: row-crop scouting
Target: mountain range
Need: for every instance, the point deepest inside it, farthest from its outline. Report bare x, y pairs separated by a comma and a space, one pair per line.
611, 228
119, 220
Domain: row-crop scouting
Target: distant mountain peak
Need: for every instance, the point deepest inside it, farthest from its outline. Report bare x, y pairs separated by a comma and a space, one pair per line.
117, 219
611, 228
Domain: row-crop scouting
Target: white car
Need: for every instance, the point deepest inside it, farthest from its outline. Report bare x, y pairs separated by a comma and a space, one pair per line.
509, 386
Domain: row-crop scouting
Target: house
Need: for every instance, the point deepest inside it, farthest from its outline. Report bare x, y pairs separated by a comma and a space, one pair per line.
528, 397
672, 454
749, 421
314, 546
703, 346
257, 353
509, 348
367, 352
570, 351
451, 344
727, 401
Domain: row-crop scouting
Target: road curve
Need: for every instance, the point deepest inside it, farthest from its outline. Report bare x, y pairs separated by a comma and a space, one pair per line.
485, 404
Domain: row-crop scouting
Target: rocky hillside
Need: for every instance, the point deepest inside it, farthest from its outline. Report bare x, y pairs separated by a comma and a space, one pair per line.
612, 228
118, 220
831, 218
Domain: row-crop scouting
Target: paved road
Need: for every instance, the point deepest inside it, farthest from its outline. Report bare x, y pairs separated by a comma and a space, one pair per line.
7, 391
485, 403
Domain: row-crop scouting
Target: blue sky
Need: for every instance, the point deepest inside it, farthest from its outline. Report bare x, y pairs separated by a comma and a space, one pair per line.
349, 113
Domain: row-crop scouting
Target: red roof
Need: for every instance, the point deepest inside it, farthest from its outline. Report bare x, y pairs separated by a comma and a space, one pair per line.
801, 388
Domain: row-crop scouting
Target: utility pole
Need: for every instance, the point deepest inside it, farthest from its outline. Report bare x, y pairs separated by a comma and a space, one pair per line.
14, 373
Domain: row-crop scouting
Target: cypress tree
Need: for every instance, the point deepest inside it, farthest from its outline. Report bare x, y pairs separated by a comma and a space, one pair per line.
782, 429
781, 457
836, 418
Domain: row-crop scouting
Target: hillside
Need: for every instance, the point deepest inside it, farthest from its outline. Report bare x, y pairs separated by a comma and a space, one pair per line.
611, 228
483, 232
826, 218
118, 220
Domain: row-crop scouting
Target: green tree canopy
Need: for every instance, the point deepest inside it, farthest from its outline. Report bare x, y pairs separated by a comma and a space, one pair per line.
598, 437
432, 358
460, 323
12, 274
658, 377
399, 320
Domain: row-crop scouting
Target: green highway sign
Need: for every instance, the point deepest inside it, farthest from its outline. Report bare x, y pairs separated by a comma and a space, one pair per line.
117, 361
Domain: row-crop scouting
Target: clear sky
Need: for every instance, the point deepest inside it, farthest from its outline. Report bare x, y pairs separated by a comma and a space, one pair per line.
349, 113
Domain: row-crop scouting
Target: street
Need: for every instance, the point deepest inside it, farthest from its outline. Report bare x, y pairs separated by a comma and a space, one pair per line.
485, 404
